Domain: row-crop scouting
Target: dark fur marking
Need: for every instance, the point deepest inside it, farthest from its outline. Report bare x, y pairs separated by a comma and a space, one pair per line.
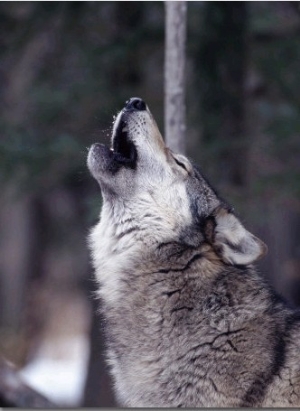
187, 266
182, 308
168, 244
292, 320
232, 346
213, 385
207, 343
174, 249
209, 226
127, 220
130, 230
170, 293
256, 393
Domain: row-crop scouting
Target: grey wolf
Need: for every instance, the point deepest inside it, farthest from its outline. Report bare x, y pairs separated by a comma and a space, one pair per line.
189, 320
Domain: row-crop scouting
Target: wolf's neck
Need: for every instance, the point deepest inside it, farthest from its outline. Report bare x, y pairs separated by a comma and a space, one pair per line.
124, 249
118, 242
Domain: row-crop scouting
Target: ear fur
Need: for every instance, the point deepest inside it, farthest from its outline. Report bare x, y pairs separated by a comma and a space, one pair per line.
232, 242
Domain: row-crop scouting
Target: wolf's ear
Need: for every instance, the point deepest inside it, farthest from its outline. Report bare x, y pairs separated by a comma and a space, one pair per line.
232, 242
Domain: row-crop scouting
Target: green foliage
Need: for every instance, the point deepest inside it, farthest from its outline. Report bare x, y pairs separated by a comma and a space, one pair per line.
39, 164
90, 62
97, 54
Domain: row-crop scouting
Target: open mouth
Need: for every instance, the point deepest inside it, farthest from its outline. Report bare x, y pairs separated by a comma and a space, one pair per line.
124, 150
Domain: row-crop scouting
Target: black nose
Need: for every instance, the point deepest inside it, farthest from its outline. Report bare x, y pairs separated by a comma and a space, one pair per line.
135, 104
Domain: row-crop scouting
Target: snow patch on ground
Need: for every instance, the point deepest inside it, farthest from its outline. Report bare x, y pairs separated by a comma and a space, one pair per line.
60, 377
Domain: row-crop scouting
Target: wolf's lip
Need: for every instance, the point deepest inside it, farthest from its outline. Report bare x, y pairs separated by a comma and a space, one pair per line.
124, 150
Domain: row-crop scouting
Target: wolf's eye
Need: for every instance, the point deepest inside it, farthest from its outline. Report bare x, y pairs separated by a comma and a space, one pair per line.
180, 164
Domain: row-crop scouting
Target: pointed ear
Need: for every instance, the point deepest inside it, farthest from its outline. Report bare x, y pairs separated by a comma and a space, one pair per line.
231, 241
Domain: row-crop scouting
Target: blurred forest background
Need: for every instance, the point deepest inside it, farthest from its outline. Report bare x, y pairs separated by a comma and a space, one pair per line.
65, 69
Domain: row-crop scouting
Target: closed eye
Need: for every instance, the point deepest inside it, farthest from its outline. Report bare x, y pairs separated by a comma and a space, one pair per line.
180, 164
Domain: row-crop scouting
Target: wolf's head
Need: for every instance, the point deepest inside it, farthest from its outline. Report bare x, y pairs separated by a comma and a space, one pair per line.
163, 192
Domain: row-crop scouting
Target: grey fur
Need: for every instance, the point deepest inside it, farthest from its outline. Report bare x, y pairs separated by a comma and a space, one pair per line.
189, 321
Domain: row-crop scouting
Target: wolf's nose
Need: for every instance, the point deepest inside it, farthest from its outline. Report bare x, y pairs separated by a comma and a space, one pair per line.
135, 104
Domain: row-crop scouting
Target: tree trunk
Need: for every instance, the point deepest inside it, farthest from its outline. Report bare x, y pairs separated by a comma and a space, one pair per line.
175, 127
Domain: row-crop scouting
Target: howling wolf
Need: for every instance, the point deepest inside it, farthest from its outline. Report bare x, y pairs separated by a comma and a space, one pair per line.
189, 321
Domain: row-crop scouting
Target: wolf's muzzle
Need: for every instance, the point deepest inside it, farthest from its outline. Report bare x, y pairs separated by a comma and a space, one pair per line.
122, 153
